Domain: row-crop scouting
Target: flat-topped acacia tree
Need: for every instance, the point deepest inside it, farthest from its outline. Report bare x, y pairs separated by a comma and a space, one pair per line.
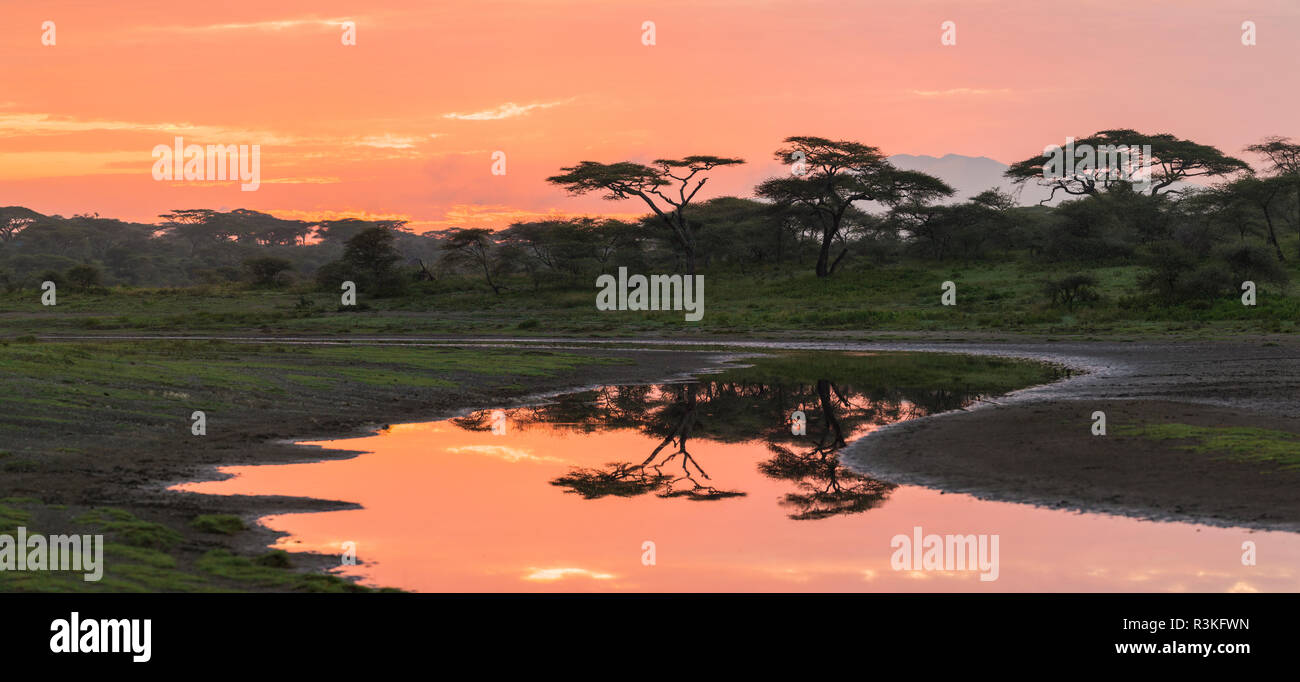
1172, 160
667, 186
13, 219
832, 176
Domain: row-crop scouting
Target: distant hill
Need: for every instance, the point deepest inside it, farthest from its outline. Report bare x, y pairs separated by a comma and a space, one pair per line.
970, 175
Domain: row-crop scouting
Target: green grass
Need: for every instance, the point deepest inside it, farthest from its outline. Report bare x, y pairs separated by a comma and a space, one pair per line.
130, 530
995, 295
224, 524
12, 517
271, 570
1279, 449
140, 556
119, 389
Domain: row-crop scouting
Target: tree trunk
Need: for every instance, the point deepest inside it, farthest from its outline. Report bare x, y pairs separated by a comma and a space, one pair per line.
487, 273
1272, 235
837, 260
824, 255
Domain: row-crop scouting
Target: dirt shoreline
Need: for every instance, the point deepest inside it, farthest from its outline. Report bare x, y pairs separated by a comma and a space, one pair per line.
1037, 447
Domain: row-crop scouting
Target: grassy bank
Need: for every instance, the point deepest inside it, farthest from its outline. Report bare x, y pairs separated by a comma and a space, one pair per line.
1002, 297
145, 556
119, 393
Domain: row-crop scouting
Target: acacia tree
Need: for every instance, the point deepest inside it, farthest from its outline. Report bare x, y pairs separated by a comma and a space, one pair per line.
13, 219
339, 231
1249, 193
1172, 160
667, 186
476, 246
1283, 158
830, 176
195, 225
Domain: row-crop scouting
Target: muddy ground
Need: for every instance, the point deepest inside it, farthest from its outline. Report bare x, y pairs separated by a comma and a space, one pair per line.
1037, 446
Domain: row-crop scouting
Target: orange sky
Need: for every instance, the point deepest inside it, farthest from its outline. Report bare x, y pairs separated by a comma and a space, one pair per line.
404, 123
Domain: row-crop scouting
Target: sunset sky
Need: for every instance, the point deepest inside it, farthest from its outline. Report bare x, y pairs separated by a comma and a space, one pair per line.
403, 124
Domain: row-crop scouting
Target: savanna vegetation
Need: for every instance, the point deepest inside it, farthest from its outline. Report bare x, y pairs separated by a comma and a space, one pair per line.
843, 241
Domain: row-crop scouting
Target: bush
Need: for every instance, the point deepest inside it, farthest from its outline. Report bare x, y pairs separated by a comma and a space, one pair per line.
1088, 230
1181, 273
267, 271
51, 276
370, 260
1251, 262
330, 276
83, 277
1071, 290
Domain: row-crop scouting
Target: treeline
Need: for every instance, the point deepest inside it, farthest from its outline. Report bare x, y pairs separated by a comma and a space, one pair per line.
186, 247
1201, 224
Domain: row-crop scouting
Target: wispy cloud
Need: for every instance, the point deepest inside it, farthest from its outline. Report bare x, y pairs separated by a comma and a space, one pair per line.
271, 25
493, 216
958, 92
553, 574
32, 124
23, 124
507, 110
389, 141
360, 214
509, 454
331, 180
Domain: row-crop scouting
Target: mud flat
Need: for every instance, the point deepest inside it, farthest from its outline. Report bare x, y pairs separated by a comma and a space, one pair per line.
1196, 432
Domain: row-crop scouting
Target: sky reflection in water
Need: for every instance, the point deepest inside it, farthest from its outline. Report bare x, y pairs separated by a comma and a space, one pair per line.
711, 474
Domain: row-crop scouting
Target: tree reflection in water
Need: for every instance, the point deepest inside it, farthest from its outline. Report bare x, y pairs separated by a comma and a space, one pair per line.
626, 480
734, 412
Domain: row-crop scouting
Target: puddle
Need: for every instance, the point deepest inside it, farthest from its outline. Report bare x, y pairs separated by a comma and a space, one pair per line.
565, 497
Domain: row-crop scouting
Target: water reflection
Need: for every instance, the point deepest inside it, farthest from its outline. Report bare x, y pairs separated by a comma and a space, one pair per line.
565, 498
732, 412
678, 417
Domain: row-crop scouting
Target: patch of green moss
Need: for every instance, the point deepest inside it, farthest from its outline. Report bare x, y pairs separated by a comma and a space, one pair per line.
225, 524
1238, 443
133, 531
271, 570
13, 517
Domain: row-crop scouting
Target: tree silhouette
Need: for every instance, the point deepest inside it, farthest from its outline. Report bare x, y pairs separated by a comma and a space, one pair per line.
834, 176
1173, 159
825, 488
730, 411
626, 480
681, 179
